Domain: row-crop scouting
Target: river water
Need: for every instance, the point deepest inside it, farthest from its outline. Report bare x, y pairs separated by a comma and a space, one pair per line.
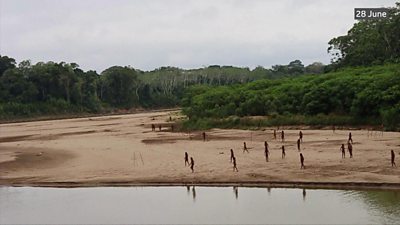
196, 205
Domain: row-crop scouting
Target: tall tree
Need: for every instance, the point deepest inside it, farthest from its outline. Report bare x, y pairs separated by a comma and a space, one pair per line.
6, 63
120, 86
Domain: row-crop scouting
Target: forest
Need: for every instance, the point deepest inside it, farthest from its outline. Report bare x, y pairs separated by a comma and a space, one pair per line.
28, 90
359, 86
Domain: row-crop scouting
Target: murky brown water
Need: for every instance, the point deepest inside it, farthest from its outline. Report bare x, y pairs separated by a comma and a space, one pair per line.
196, 205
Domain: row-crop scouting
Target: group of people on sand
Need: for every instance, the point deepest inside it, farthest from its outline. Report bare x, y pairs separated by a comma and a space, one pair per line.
267, 153
191, 164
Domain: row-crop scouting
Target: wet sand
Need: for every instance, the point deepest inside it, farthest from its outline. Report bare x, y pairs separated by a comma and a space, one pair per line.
122, 150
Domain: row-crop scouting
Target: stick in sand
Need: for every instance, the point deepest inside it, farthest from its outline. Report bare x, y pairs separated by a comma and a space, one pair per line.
141, 158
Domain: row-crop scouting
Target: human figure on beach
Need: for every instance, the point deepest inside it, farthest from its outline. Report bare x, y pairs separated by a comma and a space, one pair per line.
204, 136
298, 144
350, 138
245, 148
283, 152
283, 136
302, 161
159, 127
232, 155
343, 151
274, 134
301, 136
234, 165
153, 127
266, 150
192, 164
350, 148
392, 158
187, 159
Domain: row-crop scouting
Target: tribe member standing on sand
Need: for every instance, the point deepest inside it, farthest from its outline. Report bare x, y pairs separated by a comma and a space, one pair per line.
266, 150
204, 136
232, 155
153, 127
274, 134
298, 144
350, 148
234, 165
283, 152
392, 158
187, 159
350, 139
301, 136
192, 164
302, 161
245, 148
343, 151
283, 136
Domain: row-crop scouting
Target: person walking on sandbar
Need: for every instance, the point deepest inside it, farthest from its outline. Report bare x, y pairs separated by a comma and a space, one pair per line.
234, 165
187, 159
302, 161
350, 138
298, 144
232, 155
343, 151
192, 164
245, 148
266, 151
350, 148
301, 136
392, 158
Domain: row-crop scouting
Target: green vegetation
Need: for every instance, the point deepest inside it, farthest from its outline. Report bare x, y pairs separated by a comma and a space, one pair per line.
63, 88
353, 96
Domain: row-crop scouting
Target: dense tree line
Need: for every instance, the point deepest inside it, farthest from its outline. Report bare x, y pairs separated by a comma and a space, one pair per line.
370, 92
53, 88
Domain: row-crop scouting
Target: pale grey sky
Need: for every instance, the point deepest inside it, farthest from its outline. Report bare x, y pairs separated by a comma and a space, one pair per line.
148, 34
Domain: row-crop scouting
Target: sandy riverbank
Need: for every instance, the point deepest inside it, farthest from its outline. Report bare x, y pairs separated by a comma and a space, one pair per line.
122, 150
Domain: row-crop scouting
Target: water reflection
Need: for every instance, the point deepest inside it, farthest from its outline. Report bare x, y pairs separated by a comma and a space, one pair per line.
386, 203
161, 205
236, 191
194, 193
188, 189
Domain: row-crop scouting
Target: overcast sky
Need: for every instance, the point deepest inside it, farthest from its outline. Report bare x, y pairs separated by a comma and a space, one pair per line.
149, 34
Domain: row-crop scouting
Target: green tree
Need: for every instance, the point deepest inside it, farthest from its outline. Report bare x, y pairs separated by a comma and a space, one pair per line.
6, 63
119, 86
